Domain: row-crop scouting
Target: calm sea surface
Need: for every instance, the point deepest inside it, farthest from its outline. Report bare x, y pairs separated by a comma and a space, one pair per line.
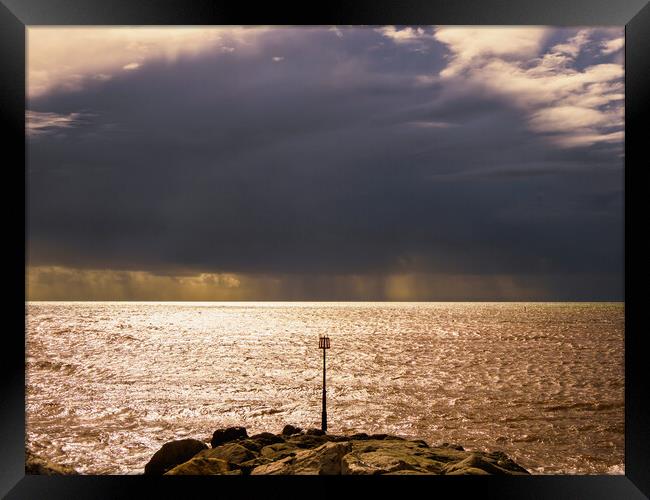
109, 382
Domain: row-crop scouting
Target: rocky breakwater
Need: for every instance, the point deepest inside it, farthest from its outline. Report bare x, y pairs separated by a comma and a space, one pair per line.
294, 451
38, 465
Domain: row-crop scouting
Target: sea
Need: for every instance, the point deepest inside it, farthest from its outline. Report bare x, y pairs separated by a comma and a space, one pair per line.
108, 383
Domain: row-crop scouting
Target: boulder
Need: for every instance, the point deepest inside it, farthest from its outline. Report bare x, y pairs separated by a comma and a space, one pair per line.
388, 445
200, 466
258, 441
478, 464
444, 455
308, 441
313, 453
251, 444
266, 438
221, 436
336, 438
505, 462
385, 457
172, 454
324, 460
279, 467
249, 465
233, 453
468, 471
38, 465
362, 435
289, 430
279, 450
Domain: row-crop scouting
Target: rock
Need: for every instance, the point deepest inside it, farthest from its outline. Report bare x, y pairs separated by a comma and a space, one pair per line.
337, 439
289, 430
233, 453
279, 467
266, 438
308, 441
473, 464
172, 454
506, 462
258, 441
249, 465
251, 444
380, 437
317, 453
477, 464
324, 460
468, 471
386, 444
444, 455
279, 450
200, 466
38, 465
221, 436
385, 456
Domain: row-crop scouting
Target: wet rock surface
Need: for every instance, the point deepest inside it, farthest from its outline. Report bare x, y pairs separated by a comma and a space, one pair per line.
221, 436
38, 465
297, 452
173, 454
289, 429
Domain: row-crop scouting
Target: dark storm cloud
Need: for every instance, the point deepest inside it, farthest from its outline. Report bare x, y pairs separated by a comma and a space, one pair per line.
329, 159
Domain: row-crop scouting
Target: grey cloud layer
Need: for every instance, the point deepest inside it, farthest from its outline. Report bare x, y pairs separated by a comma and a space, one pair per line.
334, 159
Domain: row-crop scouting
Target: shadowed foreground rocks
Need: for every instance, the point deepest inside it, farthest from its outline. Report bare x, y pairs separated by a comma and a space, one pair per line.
172, 454
38, 465
312, 452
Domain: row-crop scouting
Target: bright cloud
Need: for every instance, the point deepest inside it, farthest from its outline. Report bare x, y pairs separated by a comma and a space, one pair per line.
573, 106
405, 35
611, 46
471, 47
37, 123
65, 58
573, 45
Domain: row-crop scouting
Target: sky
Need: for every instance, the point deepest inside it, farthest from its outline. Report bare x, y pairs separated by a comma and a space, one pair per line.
325, 163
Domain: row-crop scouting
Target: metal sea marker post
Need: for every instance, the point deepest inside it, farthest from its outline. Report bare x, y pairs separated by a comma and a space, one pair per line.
324, 344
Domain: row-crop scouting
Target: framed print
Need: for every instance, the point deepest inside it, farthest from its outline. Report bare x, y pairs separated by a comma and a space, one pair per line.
378, 239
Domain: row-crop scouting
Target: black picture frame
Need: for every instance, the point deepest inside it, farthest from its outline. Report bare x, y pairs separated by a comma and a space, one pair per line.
16, 15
